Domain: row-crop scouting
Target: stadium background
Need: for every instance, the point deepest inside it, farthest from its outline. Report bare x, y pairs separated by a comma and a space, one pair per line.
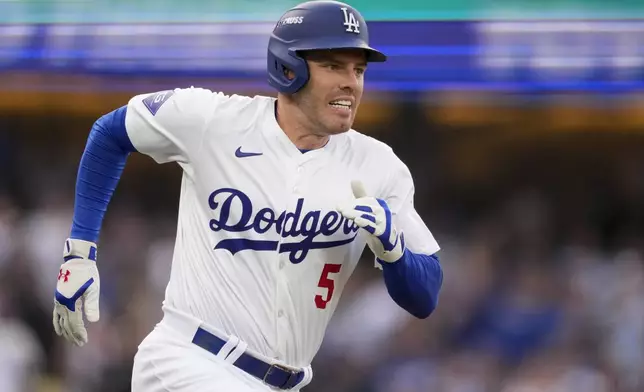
522, 124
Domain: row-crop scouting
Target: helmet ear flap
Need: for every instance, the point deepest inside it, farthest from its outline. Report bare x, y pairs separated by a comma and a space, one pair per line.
287, 72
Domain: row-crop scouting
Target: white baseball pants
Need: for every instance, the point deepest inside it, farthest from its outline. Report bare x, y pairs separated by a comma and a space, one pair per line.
168, 361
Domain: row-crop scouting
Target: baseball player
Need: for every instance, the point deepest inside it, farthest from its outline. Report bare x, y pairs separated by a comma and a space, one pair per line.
279, 197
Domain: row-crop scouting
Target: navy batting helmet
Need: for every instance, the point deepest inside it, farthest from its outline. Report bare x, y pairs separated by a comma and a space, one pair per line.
310, 26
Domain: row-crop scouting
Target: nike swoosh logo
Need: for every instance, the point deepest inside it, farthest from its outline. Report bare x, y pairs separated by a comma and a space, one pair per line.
240, 154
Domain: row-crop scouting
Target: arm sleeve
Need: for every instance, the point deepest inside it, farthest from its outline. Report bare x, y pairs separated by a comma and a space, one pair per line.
99, 172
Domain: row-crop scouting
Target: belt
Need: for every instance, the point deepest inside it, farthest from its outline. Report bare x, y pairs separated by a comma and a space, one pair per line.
273, 375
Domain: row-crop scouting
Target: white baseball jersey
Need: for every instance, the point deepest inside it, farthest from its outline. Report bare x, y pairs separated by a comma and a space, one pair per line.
261, 251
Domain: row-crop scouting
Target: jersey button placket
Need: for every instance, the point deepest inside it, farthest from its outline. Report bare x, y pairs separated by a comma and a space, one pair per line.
279, 283
282, 291
298, 177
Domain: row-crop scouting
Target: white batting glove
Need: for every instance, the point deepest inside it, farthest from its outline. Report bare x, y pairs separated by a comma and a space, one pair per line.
373, 215
78, 285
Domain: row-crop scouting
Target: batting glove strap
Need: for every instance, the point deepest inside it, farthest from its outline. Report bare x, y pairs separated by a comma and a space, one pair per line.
79, 249
396, 253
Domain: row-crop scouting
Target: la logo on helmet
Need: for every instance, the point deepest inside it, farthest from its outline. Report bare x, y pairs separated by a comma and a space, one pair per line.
353, 26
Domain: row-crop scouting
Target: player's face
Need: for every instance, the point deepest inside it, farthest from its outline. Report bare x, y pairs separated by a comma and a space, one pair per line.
331, 98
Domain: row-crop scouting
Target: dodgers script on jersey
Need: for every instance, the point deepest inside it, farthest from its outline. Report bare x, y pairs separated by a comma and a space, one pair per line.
261, 251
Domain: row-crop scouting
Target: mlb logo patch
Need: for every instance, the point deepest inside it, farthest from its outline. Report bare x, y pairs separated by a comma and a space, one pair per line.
156, 100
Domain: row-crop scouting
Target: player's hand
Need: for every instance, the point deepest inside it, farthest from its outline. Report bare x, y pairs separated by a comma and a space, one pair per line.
78, 287
374, 216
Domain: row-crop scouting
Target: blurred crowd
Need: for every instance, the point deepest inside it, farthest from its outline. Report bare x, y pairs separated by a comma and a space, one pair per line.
543, 289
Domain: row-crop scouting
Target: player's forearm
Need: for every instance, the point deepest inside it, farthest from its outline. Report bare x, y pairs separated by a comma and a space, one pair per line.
102, 163
414, 282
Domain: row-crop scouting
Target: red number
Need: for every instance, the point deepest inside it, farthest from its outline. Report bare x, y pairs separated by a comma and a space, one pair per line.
326, 283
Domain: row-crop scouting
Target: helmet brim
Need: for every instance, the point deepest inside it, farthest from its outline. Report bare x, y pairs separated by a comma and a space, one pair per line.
373, 55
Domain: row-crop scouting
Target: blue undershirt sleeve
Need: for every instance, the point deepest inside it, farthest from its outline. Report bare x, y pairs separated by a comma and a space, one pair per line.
106, 152
414, 282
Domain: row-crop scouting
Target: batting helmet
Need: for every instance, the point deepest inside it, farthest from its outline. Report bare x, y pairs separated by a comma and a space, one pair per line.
310, 26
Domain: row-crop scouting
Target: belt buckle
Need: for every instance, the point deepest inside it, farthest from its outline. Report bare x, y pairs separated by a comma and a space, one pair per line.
291, 374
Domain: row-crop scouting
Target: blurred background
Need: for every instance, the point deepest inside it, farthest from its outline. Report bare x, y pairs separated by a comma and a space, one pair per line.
522, 122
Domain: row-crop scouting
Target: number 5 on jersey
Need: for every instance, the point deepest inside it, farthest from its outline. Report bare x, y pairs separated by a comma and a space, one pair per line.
326, 283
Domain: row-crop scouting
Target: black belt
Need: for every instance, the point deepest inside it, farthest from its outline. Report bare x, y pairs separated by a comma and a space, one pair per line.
274, 375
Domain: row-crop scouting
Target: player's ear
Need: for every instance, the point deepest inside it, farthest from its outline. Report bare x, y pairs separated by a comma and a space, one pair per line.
288, 73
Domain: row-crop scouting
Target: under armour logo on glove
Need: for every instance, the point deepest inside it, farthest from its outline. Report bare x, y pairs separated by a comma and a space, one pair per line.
78, 285
374, 216
64, 275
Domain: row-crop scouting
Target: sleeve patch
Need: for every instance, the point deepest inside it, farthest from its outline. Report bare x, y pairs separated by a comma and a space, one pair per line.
154, 101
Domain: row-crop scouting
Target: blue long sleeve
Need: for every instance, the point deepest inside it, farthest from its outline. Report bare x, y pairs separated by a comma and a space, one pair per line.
101, 166
414, 282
